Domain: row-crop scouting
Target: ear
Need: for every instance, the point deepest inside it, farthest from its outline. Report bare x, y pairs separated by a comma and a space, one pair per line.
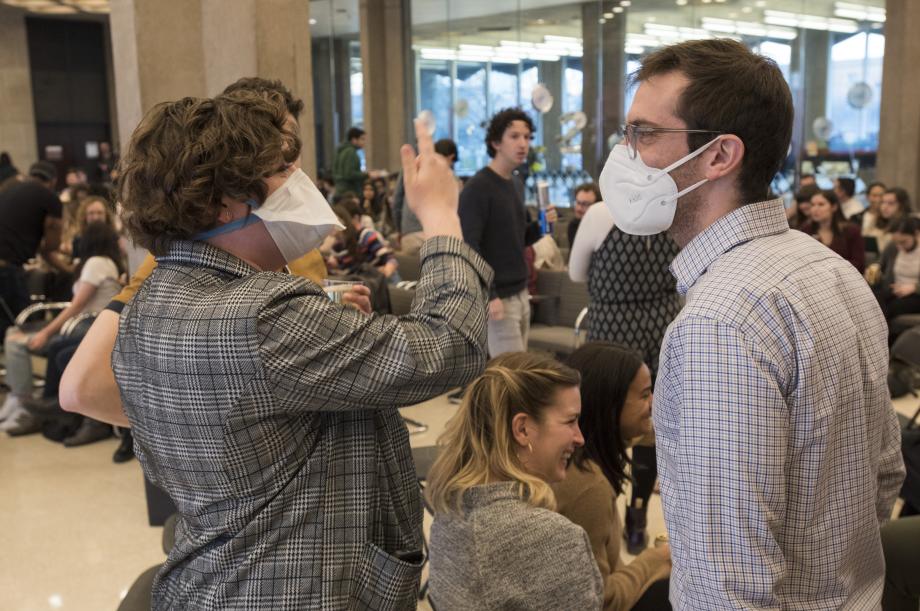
226, 210
519, 427
726, 157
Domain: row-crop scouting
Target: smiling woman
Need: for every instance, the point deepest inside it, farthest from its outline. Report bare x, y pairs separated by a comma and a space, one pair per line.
495, 541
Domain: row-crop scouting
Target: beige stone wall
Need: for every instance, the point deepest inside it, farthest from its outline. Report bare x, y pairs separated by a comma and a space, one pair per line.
899, 136
167, 49
17, 121
384, 57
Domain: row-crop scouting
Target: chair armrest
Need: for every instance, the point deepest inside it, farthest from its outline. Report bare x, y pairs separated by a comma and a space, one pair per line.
71, 325
37, 308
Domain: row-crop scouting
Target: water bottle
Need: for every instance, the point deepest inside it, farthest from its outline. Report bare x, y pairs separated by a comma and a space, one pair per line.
542, 204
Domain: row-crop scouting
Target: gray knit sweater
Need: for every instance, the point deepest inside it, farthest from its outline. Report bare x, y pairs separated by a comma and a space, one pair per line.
501, 553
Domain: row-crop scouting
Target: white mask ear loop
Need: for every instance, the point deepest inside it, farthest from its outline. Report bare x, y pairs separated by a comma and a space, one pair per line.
684, 160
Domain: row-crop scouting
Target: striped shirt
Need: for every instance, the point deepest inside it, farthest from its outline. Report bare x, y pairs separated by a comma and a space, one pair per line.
778, 447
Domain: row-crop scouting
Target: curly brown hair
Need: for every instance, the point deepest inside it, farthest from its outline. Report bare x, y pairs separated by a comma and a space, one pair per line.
185, 156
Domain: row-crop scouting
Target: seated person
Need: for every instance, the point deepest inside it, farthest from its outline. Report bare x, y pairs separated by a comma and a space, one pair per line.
829, 226
616, 410
97, 283
496, 541
92, 209
896, 278
356, 245
798, 213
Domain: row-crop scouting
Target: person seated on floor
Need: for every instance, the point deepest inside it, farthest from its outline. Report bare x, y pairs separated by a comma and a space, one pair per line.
616, 410
829, 226
896, 278
97, 283
496, 541
357, 245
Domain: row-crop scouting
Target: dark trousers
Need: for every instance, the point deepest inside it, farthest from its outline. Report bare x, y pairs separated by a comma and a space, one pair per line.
655, 598
644, 472
901, 544
896, 306
14, 295
59, 354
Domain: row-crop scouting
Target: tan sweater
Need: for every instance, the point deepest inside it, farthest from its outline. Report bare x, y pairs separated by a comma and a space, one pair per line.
587, 499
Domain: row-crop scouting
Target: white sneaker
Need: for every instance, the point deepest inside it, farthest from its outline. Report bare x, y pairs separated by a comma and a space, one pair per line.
9, 407
11, 420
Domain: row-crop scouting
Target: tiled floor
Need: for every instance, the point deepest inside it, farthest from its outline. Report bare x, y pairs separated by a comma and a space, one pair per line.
74, 531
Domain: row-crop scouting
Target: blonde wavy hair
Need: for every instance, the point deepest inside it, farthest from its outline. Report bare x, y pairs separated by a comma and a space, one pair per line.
88, 201
477, 446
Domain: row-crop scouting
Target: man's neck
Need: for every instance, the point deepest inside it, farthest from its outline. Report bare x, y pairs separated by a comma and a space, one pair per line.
501, 168
695, 215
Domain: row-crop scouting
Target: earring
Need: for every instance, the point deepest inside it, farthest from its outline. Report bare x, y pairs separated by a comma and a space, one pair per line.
530, 447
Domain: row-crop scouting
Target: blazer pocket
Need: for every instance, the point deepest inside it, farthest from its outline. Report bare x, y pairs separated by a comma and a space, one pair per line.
385, 583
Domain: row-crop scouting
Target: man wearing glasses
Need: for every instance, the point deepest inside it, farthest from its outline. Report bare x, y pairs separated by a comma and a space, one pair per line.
778, 448
586, 195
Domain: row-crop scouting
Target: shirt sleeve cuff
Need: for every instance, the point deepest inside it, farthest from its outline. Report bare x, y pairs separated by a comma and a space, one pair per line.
115, 306
446, 245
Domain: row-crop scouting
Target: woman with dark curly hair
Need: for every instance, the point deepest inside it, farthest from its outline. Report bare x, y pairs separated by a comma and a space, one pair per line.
265, 410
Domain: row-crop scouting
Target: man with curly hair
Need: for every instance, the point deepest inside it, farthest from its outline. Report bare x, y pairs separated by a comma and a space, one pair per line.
496, 225
266, 411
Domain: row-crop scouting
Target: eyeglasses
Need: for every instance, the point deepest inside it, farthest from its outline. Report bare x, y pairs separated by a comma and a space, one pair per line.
632, 134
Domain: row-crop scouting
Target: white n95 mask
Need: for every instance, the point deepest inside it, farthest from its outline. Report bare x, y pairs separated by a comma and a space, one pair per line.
642, 200
297, 216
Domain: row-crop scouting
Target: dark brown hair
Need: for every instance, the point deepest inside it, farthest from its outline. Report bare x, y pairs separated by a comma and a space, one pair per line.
99, 239
607, 371
590, 187
500, 122
266, 86
186, 155
838, 221
731, 91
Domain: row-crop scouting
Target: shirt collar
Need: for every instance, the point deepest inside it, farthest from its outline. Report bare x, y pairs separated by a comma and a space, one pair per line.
737, 227
201, 254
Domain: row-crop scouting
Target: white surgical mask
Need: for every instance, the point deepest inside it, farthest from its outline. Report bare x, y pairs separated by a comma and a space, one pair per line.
642, 200
297, 216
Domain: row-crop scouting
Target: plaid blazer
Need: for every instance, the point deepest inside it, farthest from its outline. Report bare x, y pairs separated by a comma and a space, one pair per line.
269, 415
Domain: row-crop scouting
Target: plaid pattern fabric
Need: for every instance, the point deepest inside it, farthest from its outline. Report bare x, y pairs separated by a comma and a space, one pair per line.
778, 447
268, 414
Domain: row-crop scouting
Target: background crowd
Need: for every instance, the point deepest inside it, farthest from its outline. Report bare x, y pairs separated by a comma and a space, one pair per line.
542, 445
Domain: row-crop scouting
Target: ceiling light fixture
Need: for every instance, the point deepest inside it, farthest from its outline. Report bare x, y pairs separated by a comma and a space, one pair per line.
810, 22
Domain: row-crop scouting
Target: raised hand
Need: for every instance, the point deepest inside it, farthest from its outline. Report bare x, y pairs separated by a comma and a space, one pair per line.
431, 189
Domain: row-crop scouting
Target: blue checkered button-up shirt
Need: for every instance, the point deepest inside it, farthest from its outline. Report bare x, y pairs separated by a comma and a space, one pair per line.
778, 447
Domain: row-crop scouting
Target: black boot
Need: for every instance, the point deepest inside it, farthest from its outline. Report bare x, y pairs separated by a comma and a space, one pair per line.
90, 431
125, 451
635, 533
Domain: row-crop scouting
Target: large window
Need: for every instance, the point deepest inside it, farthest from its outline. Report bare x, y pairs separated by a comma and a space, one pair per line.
470, 87
435, 94
573, 80
854, 87
503, 87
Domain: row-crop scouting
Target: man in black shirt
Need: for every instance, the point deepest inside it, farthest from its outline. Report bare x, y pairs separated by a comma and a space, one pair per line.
496, 224
30, 223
